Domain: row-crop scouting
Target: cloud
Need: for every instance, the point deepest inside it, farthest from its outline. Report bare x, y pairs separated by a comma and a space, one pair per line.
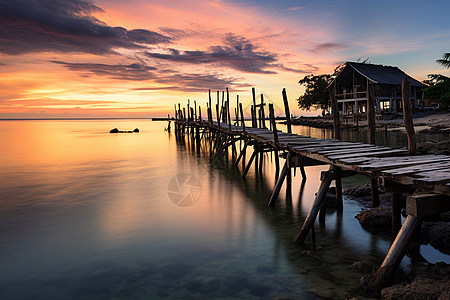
66, 26
327, 47
56, 102
125, 72
238, 53
141, 72
200, 82
294, 8
306, 69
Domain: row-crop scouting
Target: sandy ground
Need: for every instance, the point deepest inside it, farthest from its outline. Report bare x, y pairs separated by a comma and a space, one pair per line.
424, 120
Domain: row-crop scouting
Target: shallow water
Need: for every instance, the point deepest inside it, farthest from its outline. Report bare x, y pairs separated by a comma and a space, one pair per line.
85, 214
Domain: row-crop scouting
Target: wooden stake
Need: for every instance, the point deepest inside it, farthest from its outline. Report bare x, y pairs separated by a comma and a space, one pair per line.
371, 113
263, 117
314, 210
276, 190
396, 213
407, 116
242, 117
335, 112
395, 255
286, 111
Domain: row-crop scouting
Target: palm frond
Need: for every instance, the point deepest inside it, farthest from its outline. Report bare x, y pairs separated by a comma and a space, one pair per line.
445, 60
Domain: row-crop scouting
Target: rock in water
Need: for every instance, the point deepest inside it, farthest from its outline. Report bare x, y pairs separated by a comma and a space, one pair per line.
136, 130
115, 130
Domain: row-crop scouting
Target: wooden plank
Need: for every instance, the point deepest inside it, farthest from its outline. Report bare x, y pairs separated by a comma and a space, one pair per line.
437, 176
393, 162
417, 168
321, 146
353, 148
368, 154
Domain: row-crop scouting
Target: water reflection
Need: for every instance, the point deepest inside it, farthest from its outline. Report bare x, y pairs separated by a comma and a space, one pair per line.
86, 214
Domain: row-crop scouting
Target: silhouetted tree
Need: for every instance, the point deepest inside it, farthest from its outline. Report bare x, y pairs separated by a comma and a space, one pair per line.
438, 89
316, 94
445, 60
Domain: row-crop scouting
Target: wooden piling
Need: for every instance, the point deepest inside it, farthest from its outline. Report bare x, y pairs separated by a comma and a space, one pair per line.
263, 117
242, 117
335, 112
279, 184
275, 138
408, 116
247, 168
287, 111
384, 275
371, 126
315, 207
396, 213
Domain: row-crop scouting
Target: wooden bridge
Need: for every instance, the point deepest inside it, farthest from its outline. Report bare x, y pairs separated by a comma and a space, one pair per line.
425, 178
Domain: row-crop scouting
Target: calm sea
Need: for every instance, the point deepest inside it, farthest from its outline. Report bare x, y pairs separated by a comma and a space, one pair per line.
85, 214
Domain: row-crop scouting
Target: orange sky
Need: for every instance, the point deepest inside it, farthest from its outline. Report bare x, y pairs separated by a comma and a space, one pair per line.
137, 58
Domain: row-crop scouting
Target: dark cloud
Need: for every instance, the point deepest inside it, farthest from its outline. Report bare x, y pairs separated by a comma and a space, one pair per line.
200, 82
238, 53
176, 34
125, 72
327, 47
142, 72
64, 26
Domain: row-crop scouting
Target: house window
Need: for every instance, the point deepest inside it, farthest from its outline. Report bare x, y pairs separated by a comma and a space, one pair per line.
385, 105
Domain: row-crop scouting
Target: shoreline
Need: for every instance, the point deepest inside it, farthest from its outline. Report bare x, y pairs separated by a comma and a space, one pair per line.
431, 122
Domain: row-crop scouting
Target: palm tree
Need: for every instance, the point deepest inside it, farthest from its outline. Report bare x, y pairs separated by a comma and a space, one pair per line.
445, 60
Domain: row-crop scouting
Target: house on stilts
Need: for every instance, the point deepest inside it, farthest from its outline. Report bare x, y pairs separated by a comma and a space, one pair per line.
351, 88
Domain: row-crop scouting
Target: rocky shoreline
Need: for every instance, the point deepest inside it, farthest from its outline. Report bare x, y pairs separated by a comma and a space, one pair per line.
426, 281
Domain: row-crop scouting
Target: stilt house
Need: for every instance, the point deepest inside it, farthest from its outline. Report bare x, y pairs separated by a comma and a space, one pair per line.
352, 82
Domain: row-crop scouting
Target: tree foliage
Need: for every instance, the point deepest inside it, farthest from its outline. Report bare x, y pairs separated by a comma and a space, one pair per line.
438, 89
445, 60
316, 94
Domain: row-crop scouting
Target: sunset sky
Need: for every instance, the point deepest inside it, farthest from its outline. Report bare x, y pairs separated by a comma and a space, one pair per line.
137, 58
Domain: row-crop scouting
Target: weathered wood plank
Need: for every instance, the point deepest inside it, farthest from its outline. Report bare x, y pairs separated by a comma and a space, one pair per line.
370, 154
393, 162
353, 148
417, 168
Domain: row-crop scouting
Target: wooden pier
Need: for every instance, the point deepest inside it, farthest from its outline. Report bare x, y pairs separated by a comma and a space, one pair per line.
424, 178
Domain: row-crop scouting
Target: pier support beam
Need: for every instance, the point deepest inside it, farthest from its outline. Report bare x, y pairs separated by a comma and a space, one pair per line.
247, 168
327, 178
276, 190
417, 207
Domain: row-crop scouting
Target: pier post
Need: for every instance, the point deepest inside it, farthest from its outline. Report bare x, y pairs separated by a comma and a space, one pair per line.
286, 111
279, 184
371, 125
326, 179
263, 117
275, 138
396, 213
395, 255
407, 116
247, 168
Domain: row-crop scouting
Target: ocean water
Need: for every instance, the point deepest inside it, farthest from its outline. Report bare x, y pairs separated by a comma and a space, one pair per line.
85, 214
